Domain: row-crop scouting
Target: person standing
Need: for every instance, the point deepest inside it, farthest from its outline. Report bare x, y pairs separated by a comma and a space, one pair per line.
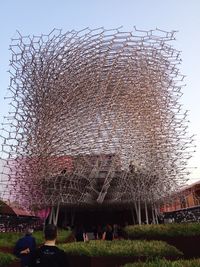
99, 232
25, 247
80, 234
49, 255
108, 234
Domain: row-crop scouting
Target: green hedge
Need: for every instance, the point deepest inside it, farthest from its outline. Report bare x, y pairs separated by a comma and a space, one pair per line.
10, 239
162, 230
165, 263
6, 259
149, 249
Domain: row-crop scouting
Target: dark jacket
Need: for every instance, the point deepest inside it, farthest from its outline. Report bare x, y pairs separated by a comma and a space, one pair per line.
23, 243
49, 256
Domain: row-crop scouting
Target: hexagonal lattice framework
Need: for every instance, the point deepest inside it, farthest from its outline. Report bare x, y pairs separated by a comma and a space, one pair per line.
96, 119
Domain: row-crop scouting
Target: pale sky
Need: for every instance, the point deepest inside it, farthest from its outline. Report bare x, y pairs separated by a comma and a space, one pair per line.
41, 16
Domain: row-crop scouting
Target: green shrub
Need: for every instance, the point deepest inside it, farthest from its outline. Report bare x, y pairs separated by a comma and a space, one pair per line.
10, 239
149, 249
162, 230
6, 259
166, 263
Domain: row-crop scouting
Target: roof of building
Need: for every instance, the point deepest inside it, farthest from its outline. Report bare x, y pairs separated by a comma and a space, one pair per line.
11, 209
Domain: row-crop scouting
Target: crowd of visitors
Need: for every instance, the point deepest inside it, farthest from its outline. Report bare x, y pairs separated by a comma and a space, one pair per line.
11, 223
48, 254
180, 216
98, 232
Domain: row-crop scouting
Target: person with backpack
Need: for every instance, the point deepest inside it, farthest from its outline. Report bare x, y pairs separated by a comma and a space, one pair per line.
49, 255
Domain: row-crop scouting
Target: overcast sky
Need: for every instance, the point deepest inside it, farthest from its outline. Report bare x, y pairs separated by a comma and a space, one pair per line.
41, 16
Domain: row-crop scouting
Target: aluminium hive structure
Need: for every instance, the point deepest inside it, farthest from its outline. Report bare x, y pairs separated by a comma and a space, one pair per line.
95, 119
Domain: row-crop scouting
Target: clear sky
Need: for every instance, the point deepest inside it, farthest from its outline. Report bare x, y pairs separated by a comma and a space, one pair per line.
35, 17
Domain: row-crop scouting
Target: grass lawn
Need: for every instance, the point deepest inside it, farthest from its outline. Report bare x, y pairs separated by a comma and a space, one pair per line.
10, 239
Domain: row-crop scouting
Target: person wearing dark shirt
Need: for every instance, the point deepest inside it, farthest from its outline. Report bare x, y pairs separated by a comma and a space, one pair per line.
80, 234
108, 234
99, 232
48, 255
25, 247
95, 232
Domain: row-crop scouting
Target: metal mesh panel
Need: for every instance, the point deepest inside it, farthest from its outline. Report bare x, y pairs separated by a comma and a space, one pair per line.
95, 119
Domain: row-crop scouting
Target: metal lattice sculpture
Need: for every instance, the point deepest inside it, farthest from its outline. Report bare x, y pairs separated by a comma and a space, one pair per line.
96, 119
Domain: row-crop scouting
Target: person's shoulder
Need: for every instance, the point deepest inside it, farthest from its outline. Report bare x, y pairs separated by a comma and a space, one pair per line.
61, 254
20, 240
41, 246
54, 249
30, 237
39, 249
59, 250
